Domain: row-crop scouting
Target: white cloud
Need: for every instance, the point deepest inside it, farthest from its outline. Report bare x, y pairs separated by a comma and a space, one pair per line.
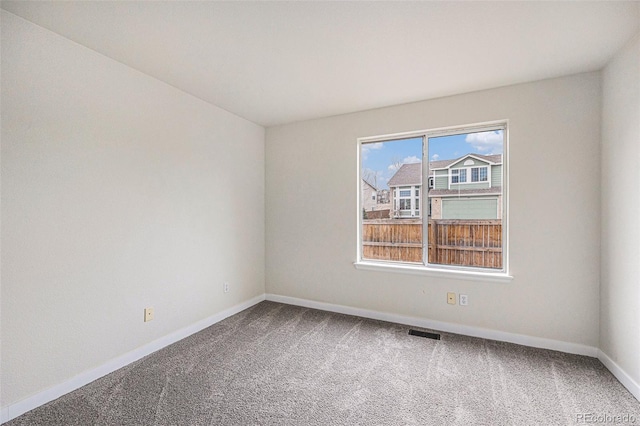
410, 160
486, 142
435, 157
406, 160
366, 147
375, 145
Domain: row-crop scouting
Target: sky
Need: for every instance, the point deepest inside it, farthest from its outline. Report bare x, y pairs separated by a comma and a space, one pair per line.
381, 159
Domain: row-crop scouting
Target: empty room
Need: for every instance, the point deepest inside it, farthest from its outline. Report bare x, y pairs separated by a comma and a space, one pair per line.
320, 213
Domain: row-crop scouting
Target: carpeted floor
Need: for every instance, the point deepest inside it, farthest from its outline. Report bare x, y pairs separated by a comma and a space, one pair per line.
276, 364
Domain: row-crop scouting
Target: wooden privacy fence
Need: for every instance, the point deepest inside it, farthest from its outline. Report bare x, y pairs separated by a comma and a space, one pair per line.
466, 242
377, 214
392, 239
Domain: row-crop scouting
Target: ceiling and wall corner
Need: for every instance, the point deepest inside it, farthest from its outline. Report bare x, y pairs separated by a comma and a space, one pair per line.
280, 62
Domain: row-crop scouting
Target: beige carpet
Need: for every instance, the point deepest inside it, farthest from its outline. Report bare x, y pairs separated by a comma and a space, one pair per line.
276, 364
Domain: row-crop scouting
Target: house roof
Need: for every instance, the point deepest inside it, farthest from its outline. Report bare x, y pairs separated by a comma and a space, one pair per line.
443, 164
407, 174
369, 183
410, 174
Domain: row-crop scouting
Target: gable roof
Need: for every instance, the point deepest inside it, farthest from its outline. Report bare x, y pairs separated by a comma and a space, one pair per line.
407, 174
410, 174
369, 183
443, 164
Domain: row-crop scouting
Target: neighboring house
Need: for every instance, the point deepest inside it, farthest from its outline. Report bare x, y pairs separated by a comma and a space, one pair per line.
383, 196
468, 187
369, 195
405, 189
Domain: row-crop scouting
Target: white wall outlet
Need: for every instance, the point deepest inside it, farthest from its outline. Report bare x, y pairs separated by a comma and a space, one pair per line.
464, 300
225, 287
148, 314
451, 298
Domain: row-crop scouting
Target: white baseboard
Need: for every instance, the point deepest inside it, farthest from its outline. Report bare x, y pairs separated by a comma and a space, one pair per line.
622, 376
520, 339
14, 410
485, 333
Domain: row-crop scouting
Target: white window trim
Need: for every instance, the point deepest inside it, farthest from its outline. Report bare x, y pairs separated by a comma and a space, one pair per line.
468, 179
486, 175
414, 202
430, 271
427, 269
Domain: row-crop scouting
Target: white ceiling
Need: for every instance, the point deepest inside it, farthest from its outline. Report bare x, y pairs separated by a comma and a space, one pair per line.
279, 62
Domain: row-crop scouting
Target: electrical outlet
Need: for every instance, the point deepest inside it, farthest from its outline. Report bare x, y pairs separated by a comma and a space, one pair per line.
464, 300
451, 298
148, 314
225, 287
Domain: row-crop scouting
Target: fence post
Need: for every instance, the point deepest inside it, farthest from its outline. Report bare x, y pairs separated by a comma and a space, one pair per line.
432, 231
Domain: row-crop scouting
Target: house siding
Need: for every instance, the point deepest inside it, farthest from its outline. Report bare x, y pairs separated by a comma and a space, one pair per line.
442, 179
368, 202
470, 208
496, 176
479, 185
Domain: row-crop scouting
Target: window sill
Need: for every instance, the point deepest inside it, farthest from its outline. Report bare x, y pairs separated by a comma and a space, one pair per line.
433, 272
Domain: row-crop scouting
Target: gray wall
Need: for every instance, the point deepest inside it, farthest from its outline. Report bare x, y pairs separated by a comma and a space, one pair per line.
620, 292
554, 228
119, 192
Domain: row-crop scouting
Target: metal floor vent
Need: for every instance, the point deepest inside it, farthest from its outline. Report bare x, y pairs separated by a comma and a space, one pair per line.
424, 334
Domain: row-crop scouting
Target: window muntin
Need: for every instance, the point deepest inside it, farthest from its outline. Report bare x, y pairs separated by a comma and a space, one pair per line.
408, 201
459, 201
463, 175
458, 176
478, 174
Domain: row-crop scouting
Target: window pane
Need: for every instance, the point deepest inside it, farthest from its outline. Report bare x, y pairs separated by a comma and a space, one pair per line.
483, 174
465, 224
392, 231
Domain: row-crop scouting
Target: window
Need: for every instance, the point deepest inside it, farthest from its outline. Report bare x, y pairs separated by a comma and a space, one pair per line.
408, 201
464, 228
458, 175
478, 174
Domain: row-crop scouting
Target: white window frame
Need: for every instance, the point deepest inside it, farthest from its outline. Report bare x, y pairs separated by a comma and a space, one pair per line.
479, 168
468, 175
414, 201
428, 269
